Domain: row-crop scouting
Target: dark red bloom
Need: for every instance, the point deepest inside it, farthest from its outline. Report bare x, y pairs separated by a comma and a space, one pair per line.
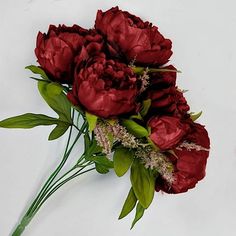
56, 51
190, 163
166, 98
106, 88
130, 38
161, 90
93, 47
182, 106
167, 131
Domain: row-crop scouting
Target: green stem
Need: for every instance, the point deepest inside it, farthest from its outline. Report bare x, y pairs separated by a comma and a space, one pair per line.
78, 164
27, 218
65, 157
78, 173
51, 185
21, 227
77, 128
52, 176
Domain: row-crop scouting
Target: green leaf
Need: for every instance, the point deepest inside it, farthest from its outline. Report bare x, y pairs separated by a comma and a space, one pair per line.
97, 149
58, 131
91, 147
138, 117
37, 70
123, 159
37, 79
143, 183
28, 121
140, 70
54, 89
129, 204
145, 107
86, 141
135, 129
102, 160
154, 70
139, 213
92, 120
195, 116
56, 99
101, 169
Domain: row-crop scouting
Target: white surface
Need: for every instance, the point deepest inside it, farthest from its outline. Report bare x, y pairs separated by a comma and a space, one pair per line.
204, 36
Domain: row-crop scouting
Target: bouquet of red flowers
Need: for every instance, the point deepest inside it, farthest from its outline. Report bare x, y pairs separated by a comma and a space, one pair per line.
111, 86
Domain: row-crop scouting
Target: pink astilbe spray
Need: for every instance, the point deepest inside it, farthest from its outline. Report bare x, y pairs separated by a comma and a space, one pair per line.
191, 146
156, 160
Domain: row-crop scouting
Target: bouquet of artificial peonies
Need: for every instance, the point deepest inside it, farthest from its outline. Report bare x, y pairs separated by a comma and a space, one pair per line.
110, 85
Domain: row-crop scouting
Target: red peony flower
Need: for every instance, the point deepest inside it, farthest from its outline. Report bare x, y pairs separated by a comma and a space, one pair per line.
166, 98
130, 38
106, 88
56, 51
93, 47
161, 91
167, 131
182, 106
190, 161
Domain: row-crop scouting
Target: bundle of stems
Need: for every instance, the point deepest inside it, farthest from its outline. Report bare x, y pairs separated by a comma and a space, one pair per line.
56, 180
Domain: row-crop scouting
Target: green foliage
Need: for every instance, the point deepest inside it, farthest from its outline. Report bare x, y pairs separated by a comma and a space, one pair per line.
37, 70
58, 131
138, 117
87, 141
195, 116
143, 183
123, 159
102, 164
92, 120
54, 96
90, 147
129, 204
56, 99
103, 160
101, 169
145, 107
138, 215
92, 150
138, 70
54, 89
135, 129
28, 120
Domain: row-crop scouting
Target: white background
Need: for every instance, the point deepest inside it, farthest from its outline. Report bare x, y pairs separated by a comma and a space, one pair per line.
204, 35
